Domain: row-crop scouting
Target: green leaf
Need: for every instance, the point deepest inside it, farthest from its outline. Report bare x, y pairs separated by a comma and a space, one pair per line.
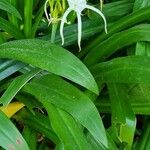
123, 118
52, 89
118, 41
134, 69
11, 29
97, 146
52, 58
66, 128
138, 4
5, 5
39, 122
142, 49
31, 137
139, 107
37, 20
16, 85
121, 24
10, 138
8, 67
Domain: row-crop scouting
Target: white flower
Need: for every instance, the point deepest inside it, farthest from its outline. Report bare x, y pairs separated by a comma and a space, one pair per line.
78, 6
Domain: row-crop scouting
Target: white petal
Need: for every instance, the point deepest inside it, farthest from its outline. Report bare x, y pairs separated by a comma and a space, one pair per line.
100, 13
63, 21
45, 10
79, 30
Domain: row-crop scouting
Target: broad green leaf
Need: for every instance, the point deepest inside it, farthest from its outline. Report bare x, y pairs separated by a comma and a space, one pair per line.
118, 41
123, 118
16, 85
11, 29
5, 5
121, 24
52, 89
10, 138
134, 69
52, 58
66, 128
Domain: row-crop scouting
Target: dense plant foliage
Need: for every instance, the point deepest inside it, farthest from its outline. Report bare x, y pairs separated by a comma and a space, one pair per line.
89, 94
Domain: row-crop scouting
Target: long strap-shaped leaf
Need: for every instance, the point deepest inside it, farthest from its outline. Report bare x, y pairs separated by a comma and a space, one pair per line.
52, 58
118, 41
38, 122
66, 128
8, 67
16, 85
52, 89
5, 5
123, 118
10, 138
134, 69
121, 24
11, 29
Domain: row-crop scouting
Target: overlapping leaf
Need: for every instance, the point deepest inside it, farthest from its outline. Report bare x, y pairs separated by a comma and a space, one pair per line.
52, 58
52, 89
10, 138
5, 5
118, 41
16, 85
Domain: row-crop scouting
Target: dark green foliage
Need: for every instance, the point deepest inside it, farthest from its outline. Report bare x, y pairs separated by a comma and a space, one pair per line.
96, 99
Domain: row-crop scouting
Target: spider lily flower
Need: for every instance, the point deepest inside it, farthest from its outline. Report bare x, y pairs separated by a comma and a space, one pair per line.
78, 6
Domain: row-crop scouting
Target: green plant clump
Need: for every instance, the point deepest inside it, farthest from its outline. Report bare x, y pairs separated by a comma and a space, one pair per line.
74, 75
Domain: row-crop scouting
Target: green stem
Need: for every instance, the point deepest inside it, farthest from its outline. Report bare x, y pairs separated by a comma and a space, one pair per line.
28, 4
53, 34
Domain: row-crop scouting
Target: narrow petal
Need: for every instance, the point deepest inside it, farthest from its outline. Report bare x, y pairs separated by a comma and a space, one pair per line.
100, 13
63, 21
45, 10
79, 30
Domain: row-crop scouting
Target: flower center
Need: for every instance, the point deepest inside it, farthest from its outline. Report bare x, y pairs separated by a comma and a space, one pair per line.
77, 6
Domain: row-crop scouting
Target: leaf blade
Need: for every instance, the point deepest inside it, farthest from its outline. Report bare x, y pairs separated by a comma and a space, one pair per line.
52, 58
49, 88
10, 139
